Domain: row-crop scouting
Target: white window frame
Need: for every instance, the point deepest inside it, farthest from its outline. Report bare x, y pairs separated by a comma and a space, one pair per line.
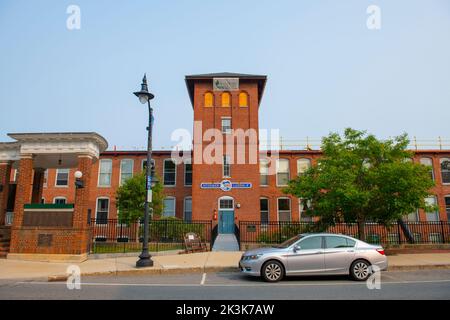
96, 210
186, 162
174, 206
225, 198
68, 178
428, 165
184, 207
435, 212
440, 169
120, 170
288, 171
416, 213
164, 173
266, 161
300, 210
226, 162
299, 160
144, 160
45, 184
278, 208
100, 171
59, 198
229, 131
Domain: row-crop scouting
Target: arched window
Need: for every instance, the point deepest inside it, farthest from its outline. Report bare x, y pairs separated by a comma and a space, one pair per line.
445, 170
226, 203
169, 207
303, 165
209, 99
429, 163
226, 99
243, 99
282, 172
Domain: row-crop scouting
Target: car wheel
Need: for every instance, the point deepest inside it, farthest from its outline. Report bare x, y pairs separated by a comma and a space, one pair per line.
272, 271
360, 270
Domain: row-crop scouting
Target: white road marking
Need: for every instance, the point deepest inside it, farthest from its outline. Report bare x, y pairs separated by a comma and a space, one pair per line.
232, 285
203, 279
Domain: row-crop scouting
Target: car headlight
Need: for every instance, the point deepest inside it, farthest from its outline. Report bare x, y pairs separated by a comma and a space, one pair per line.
253, 257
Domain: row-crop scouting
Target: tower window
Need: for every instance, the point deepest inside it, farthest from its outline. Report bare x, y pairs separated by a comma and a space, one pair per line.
226, 125
209, 99
226, 166
243, 99
226, 99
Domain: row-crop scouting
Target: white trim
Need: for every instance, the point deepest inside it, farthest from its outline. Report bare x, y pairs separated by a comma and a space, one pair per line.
225, 198
96, 209
68, 178
164, 173
184, 207
288, 171
120, 169
59, 198
174, 206
278, 208
100, 170
188, 161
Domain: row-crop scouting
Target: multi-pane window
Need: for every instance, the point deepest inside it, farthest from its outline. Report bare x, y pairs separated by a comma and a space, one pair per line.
429, 163
105, 172
226, 99
226, 203
62, 177
126, 170
284, 209
447, 207
188, 173
303, 205
264, 172
169, 172
433, 215
209, 99
264, 210
226, 125
59, 200
303, 165
243, 99
188, 209
445, 170
412, 217
45, 177
169, 207
282, 172
101, 216
144, 164
226, 166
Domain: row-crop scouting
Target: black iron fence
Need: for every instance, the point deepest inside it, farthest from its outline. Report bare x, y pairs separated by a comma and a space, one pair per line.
255, 232
119, 236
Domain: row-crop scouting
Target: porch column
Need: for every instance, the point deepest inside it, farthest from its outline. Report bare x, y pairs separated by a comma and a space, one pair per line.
24, 187
38, 185
81, 206
5, 173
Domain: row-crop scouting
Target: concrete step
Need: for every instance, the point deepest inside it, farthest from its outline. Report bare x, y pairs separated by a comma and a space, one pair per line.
226, 242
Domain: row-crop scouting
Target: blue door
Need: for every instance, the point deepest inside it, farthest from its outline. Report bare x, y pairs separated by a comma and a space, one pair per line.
226, 221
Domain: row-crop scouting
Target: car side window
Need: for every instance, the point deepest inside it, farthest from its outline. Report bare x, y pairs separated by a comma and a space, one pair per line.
338, 242
311, 243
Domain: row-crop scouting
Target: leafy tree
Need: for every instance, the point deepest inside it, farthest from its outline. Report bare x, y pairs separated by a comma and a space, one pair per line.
360, 179
131, 198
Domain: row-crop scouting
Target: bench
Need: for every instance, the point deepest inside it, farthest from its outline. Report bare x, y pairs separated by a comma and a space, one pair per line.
193, 243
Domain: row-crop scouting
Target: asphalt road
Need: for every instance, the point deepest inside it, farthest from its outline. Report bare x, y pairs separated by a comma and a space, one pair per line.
431, 284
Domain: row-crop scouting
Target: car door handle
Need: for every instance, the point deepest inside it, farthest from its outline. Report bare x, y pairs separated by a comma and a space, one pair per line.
350, 250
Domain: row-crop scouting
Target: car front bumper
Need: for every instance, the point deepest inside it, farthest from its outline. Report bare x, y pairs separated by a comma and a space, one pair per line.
250, 267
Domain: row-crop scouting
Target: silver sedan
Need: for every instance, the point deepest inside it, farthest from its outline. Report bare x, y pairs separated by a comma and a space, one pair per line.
315, 254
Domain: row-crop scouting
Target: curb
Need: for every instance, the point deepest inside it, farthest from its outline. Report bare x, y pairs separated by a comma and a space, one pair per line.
419, 267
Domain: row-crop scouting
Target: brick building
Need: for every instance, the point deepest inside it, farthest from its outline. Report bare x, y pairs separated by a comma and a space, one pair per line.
224, 191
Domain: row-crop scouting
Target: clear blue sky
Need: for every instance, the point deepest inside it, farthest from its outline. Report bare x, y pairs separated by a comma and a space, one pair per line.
326, 70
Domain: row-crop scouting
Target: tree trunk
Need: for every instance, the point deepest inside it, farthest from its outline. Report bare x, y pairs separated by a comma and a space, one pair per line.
361, 229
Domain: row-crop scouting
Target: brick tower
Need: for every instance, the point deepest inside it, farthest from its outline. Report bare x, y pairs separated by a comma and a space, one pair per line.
225, 183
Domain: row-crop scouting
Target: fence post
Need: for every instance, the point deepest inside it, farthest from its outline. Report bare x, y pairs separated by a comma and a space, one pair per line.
442, 231
399, 234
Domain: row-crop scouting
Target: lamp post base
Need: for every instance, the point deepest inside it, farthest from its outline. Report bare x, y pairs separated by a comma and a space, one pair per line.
144, 261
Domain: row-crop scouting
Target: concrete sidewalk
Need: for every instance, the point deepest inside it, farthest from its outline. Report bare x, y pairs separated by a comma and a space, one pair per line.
182, 263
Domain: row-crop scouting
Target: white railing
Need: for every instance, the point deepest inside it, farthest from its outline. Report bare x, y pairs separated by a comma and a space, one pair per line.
9, 218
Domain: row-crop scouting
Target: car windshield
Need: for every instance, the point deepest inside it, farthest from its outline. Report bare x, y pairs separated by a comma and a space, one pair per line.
289, 242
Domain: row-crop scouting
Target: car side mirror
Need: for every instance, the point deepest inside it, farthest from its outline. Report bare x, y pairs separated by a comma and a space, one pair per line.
297, 248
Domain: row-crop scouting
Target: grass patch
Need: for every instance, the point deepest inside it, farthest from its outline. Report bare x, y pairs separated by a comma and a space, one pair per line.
125, 247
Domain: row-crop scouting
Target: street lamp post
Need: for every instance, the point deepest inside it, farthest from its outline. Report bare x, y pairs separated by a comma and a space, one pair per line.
145, 97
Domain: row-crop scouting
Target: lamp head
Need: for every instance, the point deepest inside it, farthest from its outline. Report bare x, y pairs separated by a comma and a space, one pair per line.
143, 95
